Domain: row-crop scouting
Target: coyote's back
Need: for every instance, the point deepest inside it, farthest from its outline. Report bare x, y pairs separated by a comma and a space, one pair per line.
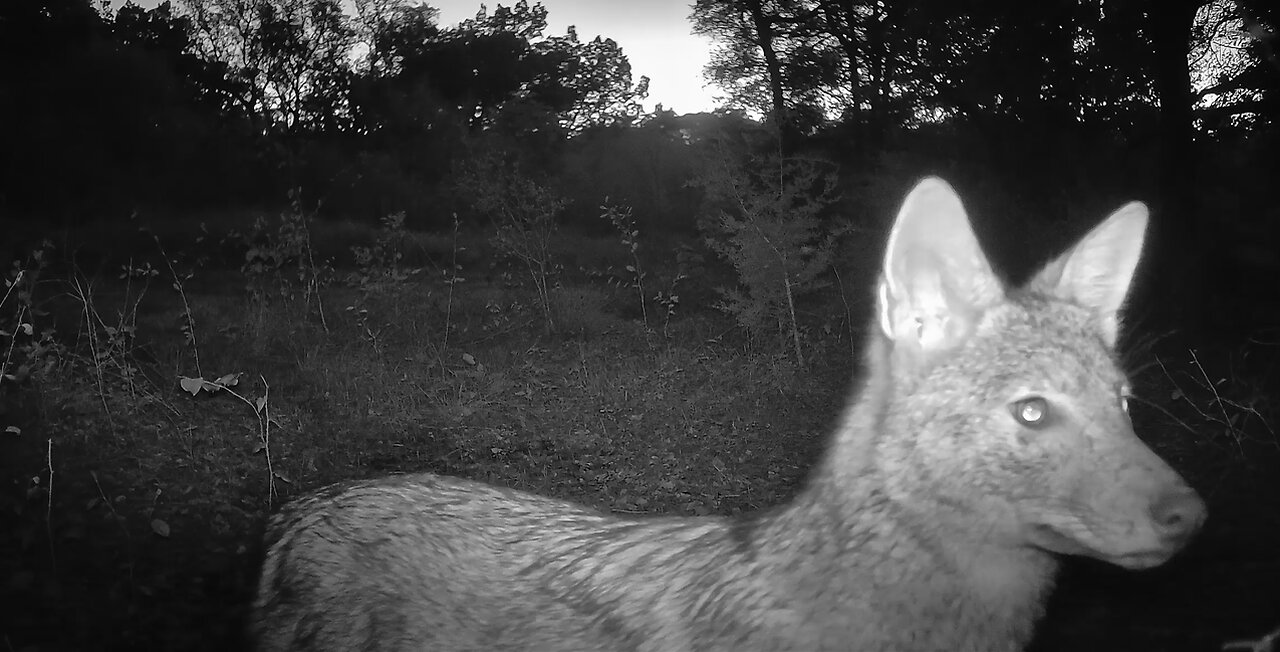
990, 434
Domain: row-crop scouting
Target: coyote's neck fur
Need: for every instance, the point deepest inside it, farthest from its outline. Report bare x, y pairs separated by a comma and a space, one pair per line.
981, 596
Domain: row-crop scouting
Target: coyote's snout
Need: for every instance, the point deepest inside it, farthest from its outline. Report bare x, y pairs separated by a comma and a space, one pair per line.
990, 433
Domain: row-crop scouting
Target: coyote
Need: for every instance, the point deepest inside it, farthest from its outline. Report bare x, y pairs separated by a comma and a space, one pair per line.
990, 434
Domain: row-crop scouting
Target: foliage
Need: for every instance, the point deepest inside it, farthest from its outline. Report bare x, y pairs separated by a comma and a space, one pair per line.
381, 261
238, 100
388, 30
766, 219
523, 214
287, 59
113, 107
688, 261
261, 407
497, 67
622, 221
280, 263
136, 522
598, 75
894, 64
29, 352
218, 103
645, 166
1235, 64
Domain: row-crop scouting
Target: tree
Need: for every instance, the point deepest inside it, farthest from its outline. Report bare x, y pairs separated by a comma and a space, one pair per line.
289, 57
907, 64
112, 105
596, 76
1237, 76
747, 62
1180, 246
390, 29
766, 220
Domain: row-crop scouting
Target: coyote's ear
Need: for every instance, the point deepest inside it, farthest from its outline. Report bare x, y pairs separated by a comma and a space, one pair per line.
936, 281
1097, 271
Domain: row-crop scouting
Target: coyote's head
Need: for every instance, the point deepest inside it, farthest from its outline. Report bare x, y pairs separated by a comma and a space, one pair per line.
1017, 406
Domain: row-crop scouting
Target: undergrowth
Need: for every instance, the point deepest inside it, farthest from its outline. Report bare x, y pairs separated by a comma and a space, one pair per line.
154, 416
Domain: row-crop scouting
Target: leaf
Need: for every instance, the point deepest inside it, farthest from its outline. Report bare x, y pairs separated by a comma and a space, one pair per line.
261, 403
160, 527
229, 380
469, 359
191, 385
14, 430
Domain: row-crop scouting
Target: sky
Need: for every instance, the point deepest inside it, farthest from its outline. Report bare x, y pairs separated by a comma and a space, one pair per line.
653, 34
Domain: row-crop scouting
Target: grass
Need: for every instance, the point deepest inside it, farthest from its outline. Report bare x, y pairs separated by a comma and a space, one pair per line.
131, 510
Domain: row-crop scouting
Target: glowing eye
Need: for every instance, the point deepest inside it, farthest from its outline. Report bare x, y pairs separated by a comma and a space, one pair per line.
1125, 391
1031, 412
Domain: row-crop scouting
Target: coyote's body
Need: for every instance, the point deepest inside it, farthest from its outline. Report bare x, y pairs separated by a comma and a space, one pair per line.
990, 434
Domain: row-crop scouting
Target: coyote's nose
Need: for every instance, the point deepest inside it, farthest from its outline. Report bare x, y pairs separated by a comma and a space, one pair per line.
1178, 514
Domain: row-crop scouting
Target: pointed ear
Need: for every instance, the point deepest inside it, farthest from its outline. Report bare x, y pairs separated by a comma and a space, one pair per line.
936, 281
1097, 271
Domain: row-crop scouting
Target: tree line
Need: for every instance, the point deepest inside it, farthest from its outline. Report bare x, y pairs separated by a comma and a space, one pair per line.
211, 102
370, 106
1161, 95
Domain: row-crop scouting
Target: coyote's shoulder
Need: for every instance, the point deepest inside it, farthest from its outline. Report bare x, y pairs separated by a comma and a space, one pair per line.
989, 435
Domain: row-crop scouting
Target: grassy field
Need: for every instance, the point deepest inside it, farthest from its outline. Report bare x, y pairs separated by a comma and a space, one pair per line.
133, 501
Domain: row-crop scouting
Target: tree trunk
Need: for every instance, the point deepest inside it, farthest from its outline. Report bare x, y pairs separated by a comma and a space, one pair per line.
764, 36
841, 24
1180, 244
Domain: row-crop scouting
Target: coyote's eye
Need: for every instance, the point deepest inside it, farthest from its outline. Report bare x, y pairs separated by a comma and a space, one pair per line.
1031, 412
1125, 392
